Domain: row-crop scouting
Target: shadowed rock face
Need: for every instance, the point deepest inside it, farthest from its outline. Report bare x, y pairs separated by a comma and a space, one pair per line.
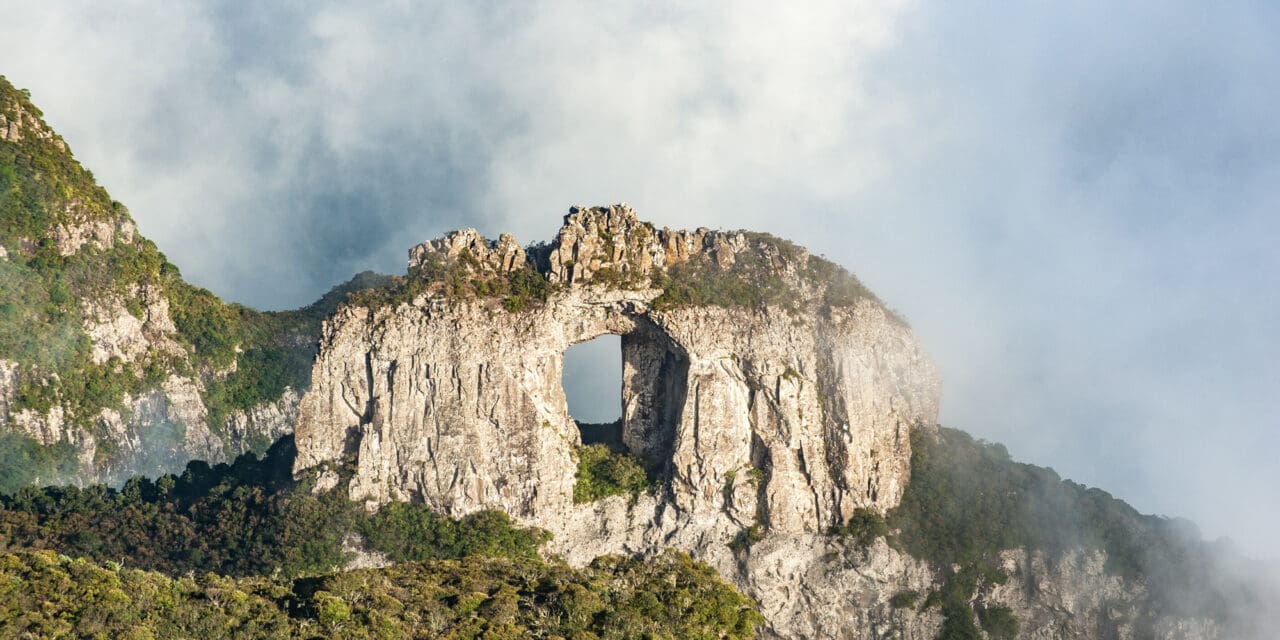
787, 418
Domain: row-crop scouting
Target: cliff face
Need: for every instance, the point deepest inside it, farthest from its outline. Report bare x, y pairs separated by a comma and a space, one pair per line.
780, 417
768, 393
785, 418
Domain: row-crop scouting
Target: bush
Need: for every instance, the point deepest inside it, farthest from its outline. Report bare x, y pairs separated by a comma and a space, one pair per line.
998, 622
904, 600
863, 527
603, 473
746, 537
412, 532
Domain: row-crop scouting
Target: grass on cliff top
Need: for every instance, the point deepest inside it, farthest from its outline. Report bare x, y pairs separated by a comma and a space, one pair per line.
756, 280
460, 278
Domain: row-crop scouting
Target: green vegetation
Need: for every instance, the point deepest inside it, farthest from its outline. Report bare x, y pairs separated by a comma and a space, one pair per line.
42, 189
405, 532
750, 282
477, 577
44, 298
23, 461
746, 538
460, 278
967, 501
603, 473
998, 622
246, 518
863, 527
756, 279
904, 600
276, 348
46, 595
954, 599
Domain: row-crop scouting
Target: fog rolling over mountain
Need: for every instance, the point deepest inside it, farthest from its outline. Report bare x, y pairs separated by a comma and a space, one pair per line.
1068, 208
1073, 203
777, 459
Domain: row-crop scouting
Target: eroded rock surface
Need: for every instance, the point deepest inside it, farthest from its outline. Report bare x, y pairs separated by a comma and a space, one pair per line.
775, 400
785, 416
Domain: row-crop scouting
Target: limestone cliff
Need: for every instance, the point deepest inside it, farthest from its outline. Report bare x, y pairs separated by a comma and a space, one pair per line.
765, 389
789, 416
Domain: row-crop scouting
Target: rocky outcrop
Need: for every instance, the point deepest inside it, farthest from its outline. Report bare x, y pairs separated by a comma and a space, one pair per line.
786, 419
766, 418
103, 347
783, 418
17, 122
157, 432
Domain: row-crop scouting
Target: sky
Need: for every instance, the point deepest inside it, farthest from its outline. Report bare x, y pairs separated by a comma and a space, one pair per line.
1074, 204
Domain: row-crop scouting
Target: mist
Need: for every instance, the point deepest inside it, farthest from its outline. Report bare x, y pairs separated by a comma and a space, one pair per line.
1073, 205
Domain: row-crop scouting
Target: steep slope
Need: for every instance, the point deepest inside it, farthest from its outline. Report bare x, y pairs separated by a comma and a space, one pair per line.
110, 363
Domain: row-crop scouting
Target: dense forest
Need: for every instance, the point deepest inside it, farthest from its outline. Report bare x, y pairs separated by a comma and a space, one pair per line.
43, 594
244, 550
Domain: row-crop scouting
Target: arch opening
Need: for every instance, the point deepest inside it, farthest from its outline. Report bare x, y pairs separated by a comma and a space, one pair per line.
592, 381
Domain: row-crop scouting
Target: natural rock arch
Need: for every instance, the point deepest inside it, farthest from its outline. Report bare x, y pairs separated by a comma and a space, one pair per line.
787, 413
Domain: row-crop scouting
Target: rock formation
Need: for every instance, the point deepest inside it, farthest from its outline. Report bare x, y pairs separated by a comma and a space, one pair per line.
786, 418
766, 390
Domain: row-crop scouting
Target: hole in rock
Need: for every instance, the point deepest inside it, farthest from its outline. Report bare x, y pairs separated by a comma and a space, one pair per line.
593, 386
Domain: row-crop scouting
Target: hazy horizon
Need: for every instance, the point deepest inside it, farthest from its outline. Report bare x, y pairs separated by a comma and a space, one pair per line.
1073, 206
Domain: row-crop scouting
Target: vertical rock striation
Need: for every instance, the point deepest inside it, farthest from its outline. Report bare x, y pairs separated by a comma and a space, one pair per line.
799, 413
768, 392
783, 411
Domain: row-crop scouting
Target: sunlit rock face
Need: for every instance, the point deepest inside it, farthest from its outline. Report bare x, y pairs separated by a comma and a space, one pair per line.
763, 387
785, 414
785, 417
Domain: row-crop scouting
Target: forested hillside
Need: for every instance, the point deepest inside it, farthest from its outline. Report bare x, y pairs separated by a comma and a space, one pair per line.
110, 362
242, 550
